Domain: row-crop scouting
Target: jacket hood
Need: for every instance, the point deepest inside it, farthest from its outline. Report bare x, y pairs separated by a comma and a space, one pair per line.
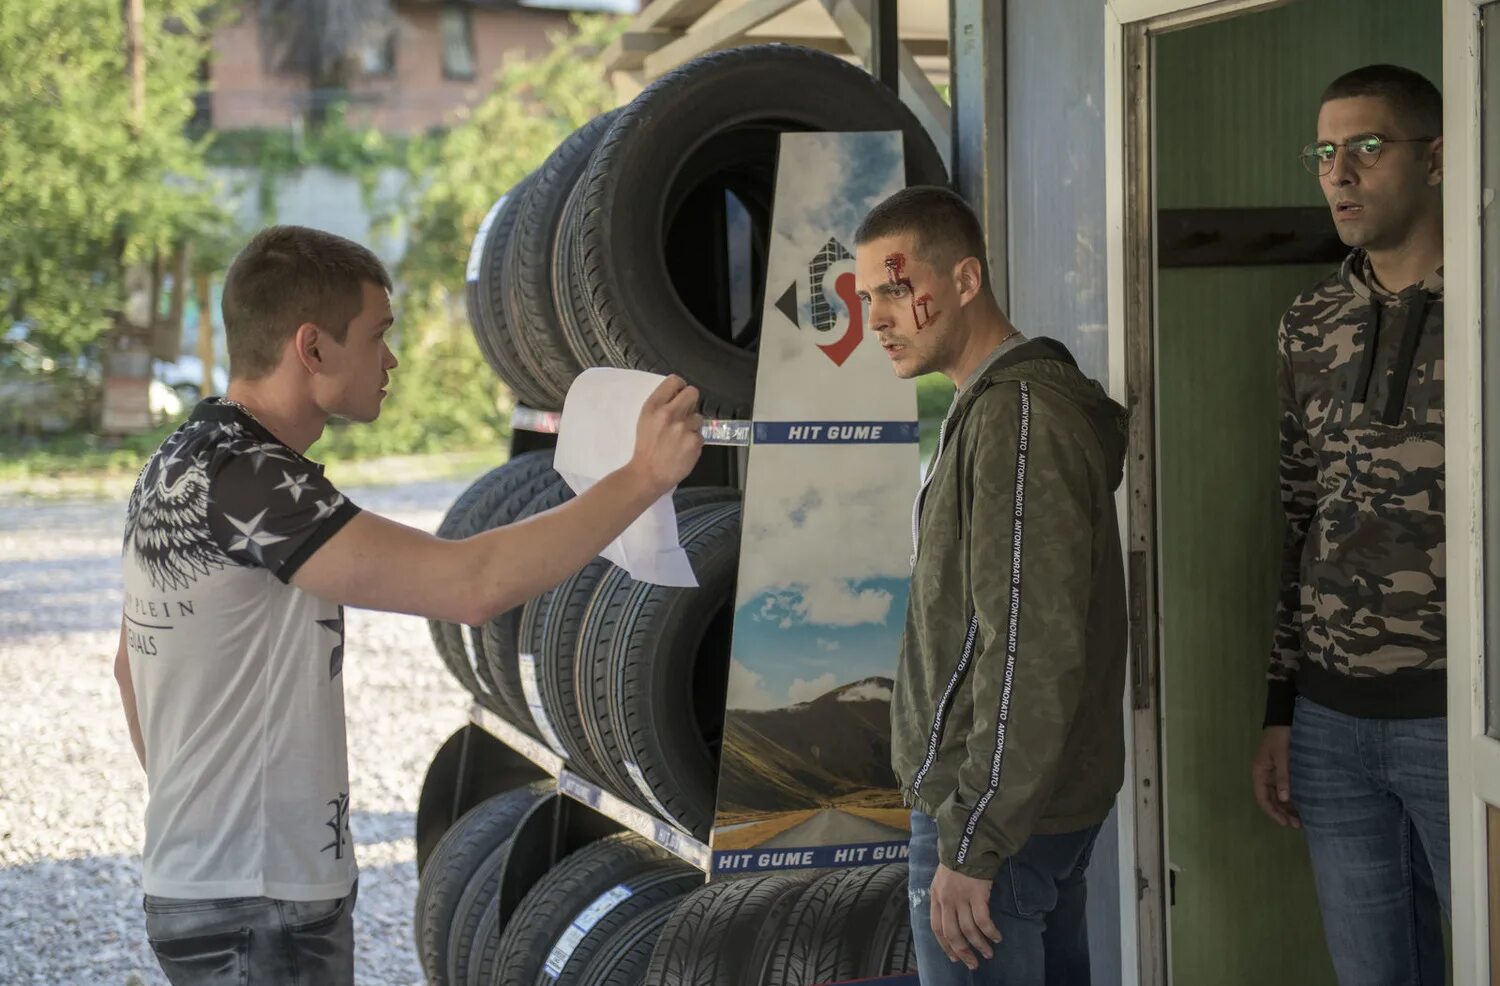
1408, 316
1048, 363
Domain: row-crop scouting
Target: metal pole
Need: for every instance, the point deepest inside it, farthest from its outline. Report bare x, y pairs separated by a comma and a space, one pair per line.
977, 54
885, 44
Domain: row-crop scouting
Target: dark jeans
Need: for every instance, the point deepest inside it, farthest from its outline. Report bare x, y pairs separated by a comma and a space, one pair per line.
250, 941
1037, 902
1373, 796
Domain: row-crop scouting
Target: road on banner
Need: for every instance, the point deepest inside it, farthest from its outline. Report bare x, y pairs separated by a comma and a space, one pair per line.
832, 825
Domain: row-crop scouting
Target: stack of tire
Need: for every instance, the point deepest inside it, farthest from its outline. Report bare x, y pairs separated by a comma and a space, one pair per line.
623, 679
788, 929
493, 910
642, 241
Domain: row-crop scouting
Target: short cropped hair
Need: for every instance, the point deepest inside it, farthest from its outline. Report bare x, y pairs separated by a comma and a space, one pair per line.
285, 276
945, 228
1416, 101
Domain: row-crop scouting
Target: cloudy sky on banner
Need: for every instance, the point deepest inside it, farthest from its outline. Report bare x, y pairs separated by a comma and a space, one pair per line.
781, 657
826, 185
801, 528
826, 546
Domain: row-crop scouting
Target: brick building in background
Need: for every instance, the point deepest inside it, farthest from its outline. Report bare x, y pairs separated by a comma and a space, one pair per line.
436, 57
409, 73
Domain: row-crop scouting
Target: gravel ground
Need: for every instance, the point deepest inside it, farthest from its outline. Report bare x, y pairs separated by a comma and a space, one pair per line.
72, 796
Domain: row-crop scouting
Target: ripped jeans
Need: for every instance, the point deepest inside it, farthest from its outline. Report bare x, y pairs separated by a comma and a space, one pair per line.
1037, 902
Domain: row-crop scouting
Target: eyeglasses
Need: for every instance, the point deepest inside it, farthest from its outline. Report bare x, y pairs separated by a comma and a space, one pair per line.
1363, 150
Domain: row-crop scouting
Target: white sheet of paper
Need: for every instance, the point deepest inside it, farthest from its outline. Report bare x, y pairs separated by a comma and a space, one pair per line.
596, 437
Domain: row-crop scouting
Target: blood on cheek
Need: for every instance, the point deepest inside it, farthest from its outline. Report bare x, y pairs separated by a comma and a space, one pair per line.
895, 272
920, 313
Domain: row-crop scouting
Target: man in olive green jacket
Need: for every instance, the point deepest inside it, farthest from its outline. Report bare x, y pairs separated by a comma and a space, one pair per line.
1007, 722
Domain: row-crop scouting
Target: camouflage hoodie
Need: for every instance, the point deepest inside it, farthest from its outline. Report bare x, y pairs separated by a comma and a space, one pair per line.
1361, 616
1006, 718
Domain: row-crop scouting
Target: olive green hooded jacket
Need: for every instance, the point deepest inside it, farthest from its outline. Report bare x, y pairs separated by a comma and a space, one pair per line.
1007, 716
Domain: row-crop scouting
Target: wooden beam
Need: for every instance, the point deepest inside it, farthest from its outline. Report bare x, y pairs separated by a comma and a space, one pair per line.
1247, 237
627, 84
670, 15
917, 47
204, 290
724, 32
853, 19
628, 53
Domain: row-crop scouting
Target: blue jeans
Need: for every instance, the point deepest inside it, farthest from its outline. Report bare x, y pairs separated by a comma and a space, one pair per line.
1037, 902
1373, 797
250, 941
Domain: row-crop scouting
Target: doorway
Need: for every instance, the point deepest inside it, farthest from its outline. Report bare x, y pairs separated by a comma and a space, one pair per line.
1237, 231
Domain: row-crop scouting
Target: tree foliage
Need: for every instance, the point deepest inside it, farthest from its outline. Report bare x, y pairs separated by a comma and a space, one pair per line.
445, 395
84, 187
536, 103
83, 193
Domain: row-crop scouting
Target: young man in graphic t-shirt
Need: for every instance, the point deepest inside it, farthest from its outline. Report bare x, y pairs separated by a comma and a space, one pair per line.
239, 558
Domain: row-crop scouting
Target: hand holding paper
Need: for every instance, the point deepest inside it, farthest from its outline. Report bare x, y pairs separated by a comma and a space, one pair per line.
616, 418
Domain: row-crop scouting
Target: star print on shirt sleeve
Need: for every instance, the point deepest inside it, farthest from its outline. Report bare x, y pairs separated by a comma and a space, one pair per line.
254, 538
327, 508
272, 518
260, 452
296, 486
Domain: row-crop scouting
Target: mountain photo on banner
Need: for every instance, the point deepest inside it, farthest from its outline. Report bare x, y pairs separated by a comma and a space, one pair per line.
807, 738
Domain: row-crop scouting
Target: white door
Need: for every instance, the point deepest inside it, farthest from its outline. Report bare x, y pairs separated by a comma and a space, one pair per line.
1471, 124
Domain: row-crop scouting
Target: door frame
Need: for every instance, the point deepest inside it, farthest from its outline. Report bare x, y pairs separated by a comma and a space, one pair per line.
1473, 756
1130, 26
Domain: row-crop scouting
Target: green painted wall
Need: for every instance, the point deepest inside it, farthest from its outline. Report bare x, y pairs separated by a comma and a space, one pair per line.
1245, 907
1236, 100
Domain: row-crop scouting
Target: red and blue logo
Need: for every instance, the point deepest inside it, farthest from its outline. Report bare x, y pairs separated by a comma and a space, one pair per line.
832, 267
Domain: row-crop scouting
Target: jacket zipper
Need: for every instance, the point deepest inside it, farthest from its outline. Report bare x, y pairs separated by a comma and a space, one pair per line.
935, 735
937, 456
916, 507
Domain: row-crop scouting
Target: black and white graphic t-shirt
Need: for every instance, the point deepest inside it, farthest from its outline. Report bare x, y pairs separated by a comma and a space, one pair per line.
237, 673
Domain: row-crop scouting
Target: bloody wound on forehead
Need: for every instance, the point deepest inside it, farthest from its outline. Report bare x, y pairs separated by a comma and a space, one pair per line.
895, 270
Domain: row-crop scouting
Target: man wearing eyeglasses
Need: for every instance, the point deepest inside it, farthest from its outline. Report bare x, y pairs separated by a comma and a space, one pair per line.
1354, 750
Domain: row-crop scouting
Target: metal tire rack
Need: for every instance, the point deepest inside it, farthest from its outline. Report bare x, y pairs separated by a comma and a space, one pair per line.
532, 429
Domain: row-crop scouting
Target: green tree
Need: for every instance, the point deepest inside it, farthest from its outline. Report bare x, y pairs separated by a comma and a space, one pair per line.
86, 187
445, 394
